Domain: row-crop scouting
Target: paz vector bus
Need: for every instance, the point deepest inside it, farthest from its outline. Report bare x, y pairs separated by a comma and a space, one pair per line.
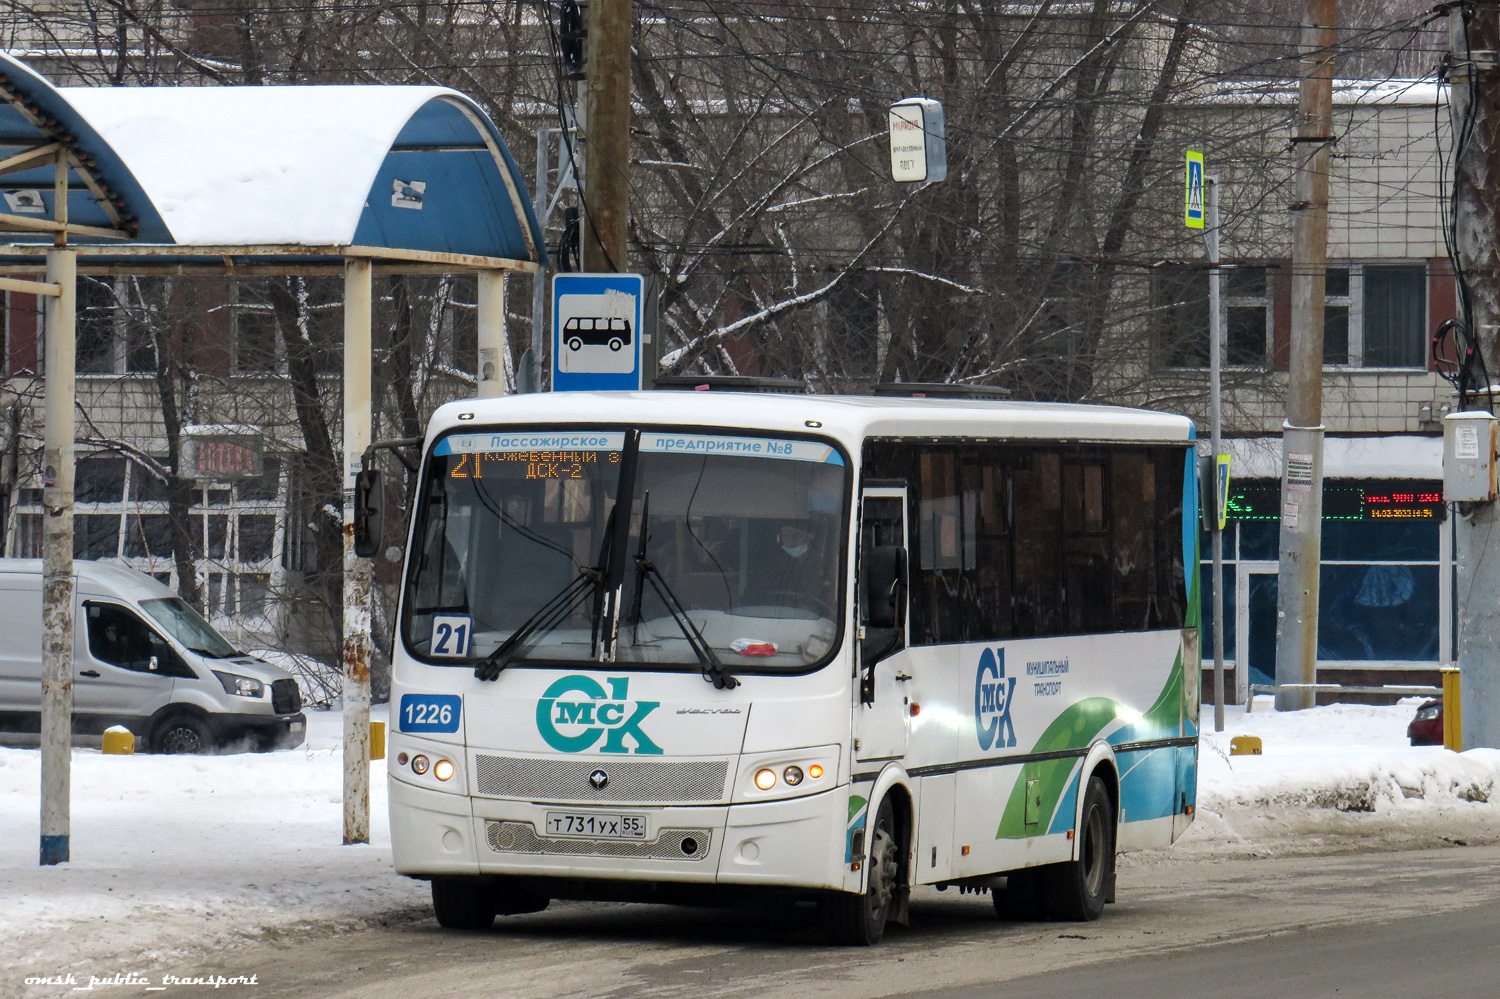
712, 647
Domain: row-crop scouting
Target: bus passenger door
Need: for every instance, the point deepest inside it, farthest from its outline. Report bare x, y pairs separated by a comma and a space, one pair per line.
880, 721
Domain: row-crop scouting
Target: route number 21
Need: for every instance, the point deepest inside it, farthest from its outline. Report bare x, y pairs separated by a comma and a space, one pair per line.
451, 634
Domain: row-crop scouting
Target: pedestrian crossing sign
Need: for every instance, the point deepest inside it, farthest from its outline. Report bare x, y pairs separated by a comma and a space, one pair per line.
1194, 216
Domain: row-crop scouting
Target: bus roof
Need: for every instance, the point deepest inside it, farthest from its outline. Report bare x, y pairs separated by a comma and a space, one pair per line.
845, 417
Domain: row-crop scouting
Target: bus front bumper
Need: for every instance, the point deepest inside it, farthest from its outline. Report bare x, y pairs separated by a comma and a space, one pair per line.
792, 843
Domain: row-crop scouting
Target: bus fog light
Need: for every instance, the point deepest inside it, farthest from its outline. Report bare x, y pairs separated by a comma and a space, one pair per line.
765, 779
419, 764
792, 775
815, 771
443, 770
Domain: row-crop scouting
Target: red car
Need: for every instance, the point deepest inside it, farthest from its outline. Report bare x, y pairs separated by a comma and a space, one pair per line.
1426, 729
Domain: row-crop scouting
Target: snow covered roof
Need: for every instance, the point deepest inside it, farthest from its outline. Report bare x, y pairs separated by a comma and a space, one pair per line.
304, 170
1420, 93
1405, 456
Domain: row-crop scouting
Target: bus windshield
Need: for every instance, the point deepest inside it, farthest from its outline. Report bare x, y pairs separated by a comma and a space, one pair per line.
516, 531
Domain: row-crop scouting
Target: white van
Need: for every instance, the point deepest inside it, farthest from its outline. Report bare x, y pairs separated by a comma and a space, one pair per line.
144, 659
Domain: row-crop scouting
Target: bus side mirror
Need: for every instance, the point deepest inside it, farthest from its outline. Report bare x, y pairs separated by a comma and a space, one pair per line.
885, 577
368, 519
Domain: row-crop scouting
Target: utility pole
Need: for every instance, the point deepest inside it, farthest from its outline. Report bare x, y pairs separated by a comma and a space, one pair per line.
1302, 433
1474, 91
606, 137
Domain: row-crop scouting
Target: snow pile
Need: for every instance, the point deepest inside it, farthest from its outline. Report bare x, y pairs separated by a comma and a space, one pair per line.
178, 852
1335, 777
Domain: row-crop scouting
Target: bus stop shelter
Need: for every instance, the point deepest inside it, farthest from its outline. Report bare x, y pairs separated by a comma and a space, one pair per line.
244, 181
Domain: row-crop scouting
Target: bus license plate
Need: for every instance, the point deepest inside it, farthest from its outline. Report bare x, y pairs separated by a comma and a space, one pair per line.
596, 825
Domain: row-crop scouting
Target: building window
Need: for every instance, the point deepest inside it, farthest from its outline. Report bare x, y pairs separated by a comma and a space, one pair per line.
1376, 316
1395, 317
1247, 316
116, 321
1179, 300
1181, 308
254, 331
122, 512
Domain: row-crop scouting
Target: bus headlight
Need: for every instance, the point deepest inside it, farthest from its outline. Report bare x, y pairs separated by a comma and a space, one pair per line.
419, 764
443, 770
788, 774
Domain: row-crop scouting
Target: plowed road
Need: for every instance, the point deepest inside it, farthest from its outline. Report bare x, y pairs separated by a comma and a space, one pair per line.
1361, 926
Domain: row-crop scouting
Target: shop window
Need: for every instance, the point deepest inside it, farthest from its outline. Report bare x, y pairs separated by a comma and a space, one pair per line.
1386, 611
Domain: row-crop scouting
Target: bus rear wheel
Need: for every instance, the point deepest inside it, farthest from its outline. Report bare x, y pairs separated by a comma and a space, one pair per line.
464, 903
1076, 891
859, 920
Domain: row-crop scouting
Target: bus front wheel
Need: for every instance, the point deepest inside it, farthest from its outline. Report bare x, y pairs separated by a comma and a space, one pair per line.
1077, 890
859, 920
464, 903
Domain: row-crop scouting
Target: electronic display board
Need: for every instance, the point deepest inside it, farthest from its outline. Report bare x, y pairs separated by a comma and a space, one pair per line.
1345, 499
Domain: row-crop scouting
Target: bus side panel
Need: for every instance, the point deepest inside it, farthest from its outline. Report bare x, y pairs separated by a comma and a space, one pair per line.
1148, 797
983, 797
1187, 789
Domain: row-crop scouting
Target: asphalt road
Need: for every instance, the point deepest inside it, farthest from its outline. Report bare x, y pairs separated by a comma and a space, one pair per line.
1366, 926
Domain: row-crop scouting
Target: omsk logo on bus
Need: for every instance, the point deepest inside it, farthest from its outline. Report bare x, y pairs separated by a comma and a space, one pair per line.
576, 712
993, 694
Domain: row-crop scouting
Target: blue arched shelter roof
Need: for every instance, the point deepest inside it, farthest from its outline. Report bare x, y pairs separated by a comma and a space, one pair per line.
298, 170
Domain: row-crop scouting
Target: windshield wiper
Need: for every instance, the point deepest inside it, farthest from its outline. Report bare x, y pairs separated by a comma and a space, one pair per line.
548, 616
590, 580
714, 671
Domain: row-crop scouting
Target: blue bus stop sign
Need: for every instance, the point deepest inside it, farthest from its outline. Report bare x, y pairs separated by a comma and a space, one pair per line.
596, 332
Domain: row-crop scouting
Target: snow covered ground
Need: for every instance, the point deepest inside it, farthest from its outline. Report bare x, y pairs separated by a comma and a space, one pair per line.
1337, 777
178, 854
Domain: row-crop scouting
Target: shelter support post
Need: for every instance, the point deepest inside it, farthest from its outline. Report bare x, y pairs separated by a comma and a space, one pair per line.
494, 355
57, 561
358, 288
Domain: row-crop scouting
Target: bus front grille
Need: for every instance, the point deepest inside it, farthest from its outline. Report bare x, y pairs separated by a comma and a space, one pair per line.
641, 781
669, 844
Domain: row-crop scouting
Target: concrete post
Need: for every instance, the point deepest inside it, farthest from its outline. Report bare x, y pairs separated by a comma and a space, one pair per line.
358, 289
1302, 433
493, 350
607, 137
57, 561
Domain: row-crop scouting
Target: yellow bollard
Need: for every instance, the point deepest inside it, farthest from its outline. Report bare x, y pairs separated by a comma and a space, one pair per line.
1244, 745
118, 740
1453, 719
377, 740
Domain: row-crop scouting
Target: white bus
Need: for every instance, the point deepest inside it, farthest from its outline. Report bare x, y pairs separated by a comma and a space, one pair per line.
698, 646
